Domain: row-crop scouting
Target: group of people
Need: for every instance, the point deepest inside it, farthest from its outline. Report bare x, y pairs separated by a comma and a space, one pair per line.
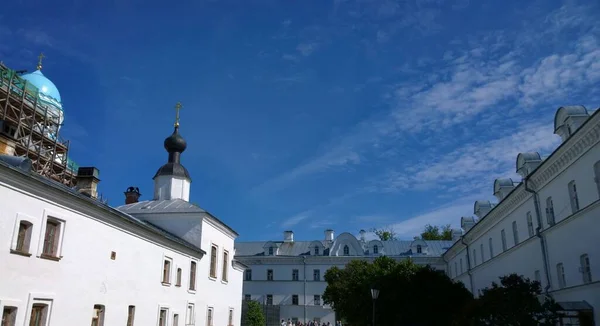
289, 322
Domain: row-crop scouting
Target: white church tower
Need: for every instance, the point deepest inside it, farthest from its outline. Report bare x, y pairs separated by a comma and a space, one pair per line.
172, 180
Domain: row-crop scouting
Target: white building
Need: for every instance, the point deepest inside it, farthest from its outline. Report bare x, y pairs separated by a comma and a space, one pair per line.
69, 259
288, 275
544, 226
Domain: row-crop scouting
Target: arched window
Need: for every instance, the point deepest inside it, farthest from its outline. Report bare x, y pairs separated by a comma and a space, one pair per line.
419, 249
270, 251
316, 251
375, 249
346, 250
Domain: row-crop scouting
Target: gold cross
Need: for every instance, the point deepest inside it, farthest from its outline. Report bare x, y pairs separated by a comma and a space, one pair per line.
178, 107
40, 57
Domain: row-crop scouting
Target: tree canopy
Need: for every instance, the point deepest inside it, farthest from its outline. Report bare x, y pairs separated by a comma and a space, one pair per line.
431, 232
254, 315
385, 233
408, 293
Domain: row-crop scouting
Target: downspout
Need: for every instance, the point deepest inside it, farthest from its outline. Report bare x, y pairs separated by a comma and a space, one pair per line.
304, 263
462, 240
538, 216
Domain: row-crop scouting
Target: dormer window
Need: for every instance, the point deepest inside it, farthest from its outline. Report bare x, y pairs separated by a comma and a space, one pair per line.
419, 249
375, 249
270, 251
346, 250
317, 251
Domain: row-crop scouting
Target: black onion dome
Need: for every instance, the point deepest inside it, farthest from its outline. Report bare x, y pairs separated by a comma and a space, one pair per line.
175, 143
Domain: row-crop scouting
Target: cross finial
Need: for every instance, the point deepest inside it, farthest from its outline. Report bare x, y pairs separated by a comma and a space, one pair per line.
178, 107
40, 57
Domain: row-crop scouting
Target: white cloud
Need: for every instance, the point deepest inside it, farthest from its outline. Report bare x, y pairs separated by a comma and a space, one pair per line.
294, 220
306, 49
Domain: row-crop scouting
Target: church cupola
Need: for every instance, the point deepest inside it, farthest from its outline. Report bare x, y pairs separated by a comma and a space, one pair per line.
172, 180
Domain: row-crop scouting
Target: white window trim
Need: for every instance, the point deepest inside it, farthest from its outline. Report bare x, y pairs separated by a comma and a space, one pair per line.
192, 318
210, 308
216, 262
196, 280
43, 298
165, 307
225, 267
34, 229
232, 310
63, 226
13, 303
171, 267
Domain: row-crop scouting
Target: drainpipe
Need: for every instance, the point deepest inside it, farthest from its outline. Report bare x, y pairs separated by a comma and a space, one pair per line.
538, 216
304, 263
462, 240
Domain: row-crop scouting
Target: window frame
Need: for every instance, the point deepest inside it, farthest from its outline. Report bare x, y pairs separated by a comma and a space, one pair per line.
248, 274
39, 300
375, 249
550, 217
214, 262
22, 240
178, 277
269, 300
560, 275
193, 277
270, 275
585, 268
100, 315
295, 300
210, 316
503, 238
57, 242
419, 249
316, 275
491, 245
166, 273
190, 313
225, 268
515, 229
295, 275
317, 300
346, 250
316, 251
230, 317
165, 319
530, 227
482, 253
12, 314
130, 315
573, 197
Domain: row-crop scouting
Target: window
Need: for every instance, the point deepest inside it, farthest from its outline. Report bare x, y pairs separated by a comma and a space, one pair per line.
193, 276
178, 280
130, 315
597, 176
316, 275
248, 275
175, 320
51, 238
461, 266
537, 276
269, 274
503, 236
317, 251
317, 300
224, 275
375, 249
9, 316
455, 268
213, 261
294, 274
419, 249
98, 316
230, 319
550, 211
515, 232
346, 250
190, 318
270, 251
295, 299
482, 253
573, 197
162, 317
247, 297
269, 299
474, 257
585, 269
209, 317
23, 237
39, 314
166, 276
560, 273
491, 244
530, 224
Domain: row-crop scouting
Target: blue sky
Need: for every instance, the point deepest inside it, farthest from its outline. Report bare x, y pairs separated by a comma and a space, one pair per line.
307, 115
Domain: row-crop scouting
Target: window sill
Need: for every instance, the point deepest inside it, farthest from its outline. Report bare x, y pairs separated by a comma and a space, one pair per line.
165, 283
212, 278
191, 291
49, 257
178, 285
20, 253
224, 281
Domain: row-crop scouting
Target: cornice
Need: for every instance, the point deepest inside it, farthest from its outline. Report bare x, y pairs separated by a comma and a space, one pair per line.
325, 260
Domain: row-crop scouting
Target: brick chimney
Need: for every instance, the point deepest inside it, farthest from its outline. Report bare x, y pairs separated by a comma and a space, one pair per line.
132, 195
87, 181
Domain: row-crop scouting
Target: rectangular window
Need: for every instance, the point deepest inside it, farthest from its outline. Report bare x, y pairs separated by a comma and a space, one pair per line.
225, 265
269, 274
247, 297
503, 236
213, 261
491, 243
455, 268
175, 320
178, 277
515, 232
209, 317
474, 257
269, 299
248, 275
9, 316
130, 315
550, 212
482, 253
24, 237
317, 300
190, 314
573, 197
560, 273
530, 225
294, 274
295, 299
51, 238
162, 317
461, 266
98, 316
537, 276
316, 251
39, 314
193, 275
317, 275
166, 275
586, 270
230, 319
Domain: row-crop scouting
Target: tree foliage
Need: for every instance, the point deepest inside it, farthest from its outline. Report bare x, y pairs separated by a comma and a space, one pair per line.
385, 233
254, 314
431, 232
408, 293
514, 302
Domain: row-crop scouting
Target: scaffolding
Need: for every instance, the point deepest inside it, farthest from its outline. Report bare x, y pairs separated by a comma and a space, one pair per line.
33, 125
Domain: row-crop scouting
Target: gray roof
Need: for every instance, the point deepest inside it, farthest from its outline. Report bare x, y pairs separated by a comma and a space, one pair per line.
69, 191
168, 207
299, 248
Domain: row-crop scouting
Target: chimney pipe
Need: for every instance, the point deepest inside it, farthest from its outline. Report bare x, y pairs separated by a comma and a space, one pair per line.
288, 236
87, 181
132, 195
329, 235
362, 235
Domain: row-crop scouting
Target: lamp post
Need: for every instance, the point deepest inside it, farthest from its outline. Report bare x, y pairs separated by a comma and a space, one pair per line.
374, 296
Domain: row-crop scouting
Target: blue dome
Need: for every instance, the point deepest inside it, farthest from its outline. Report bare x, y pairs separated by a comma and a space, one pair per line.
44, 85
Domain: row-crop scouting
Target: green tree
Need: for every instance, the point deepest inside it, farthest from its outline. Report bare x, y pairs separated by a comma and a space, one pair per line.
431, 232
408, 293
516, 301
254, 314
385, 233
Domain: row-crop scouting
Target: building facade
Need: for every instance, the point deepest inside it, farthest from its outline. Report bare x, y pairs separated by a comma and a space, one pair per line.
289, 274
544, 226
